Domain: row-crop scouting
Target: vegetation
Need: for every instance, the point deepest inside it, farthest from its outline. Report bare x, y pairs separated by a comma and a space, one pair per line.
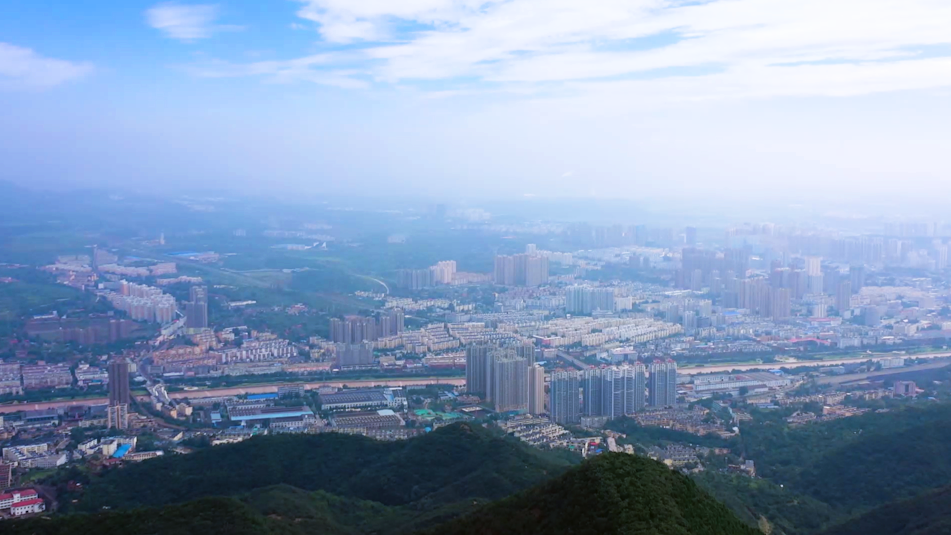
845, 462
347, 485
759, 501
612, 493
458, 462
929, 514
209, 516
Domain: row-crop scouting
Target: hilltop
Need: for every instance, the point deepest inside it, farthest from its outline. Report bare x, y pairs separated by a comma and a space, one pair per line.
613, 493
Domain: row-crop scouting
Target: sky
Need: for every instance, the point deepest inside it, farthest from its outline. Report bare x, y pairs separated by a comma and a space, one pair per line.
708, 101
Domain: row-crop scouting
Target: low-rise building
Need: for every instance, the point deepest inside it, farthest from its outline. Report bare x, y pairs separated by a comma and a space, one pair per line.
358, 399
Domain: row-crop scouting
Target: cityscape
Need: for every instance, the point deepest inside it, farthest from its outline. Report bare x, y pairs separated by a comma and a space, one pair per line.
475, 267
670, 343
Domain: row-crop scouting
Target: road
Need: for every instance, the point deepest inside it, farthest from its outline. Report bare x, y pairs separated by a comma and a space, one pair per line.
15, 407
694, 370
386, 289
839, 379
270, 388
575, 362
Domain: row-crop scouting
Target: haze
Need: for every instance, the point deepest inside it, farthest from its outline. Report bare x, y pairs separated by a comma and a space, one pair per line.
640, 99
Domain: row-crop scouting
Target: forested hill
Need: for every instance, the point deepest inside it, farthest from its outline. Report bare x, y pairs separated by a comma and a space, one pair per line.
929, 514
611, 494
859, 463
458, 462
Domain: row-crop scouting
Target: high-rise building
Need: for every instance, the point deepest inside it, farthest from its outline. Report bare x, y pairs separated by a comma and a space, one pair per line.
117, 416
118, 381
357, 329
509, 387
443, 271
536, 390
689, 322
477, 369
614, 391
504, 273
565, 401
196, 309
663, 384
6, 475
591, 387
815, 284
843, 296
414, 279
813, 265
118, 409
586, 300
526, 350
339, 331
521, 270
690, 236
354, 355
536, 270
640, 386
391, 323
941, 256
780, 304
857, 278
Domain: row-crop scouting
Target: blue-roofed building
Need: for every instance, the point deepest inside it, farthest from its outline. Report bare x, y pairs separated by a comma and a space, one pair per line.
256, 397
121, 451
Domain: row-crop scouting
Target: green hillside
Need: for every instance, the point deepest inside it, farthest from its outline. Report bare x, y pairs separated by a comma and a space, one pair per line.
208, 516
760, 502
881, 467
613, 493
929, 514
859, 463
458, 462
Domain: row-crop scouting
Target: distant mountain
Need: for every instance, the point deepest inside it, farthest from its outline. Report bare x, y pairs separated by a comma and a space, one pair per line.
611, 494
929, 514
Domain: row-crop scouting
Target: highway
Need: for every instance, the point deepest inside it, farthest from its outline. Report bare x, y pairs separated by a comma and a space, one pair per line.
840, 379
15, 407
575, 362
721, 368
272, 387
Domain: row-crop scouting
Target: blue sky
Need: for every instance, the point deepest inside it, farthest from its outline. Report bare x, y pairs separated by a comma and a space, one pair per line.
638, 98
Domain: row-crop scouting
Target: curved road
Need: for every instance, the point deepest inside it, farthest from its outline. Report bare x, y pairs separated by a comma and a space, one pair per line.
385, 287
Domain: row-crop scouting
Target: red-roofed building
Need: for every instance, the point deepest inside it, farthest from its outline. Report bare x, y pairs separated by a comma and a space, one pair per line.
35, 505
14, 497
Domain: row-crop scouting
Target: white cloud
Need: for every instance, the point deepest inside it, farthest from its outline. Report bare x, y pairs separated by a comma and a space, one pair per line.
733, 48
23, 68
186, 22
344, 21
309, 69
